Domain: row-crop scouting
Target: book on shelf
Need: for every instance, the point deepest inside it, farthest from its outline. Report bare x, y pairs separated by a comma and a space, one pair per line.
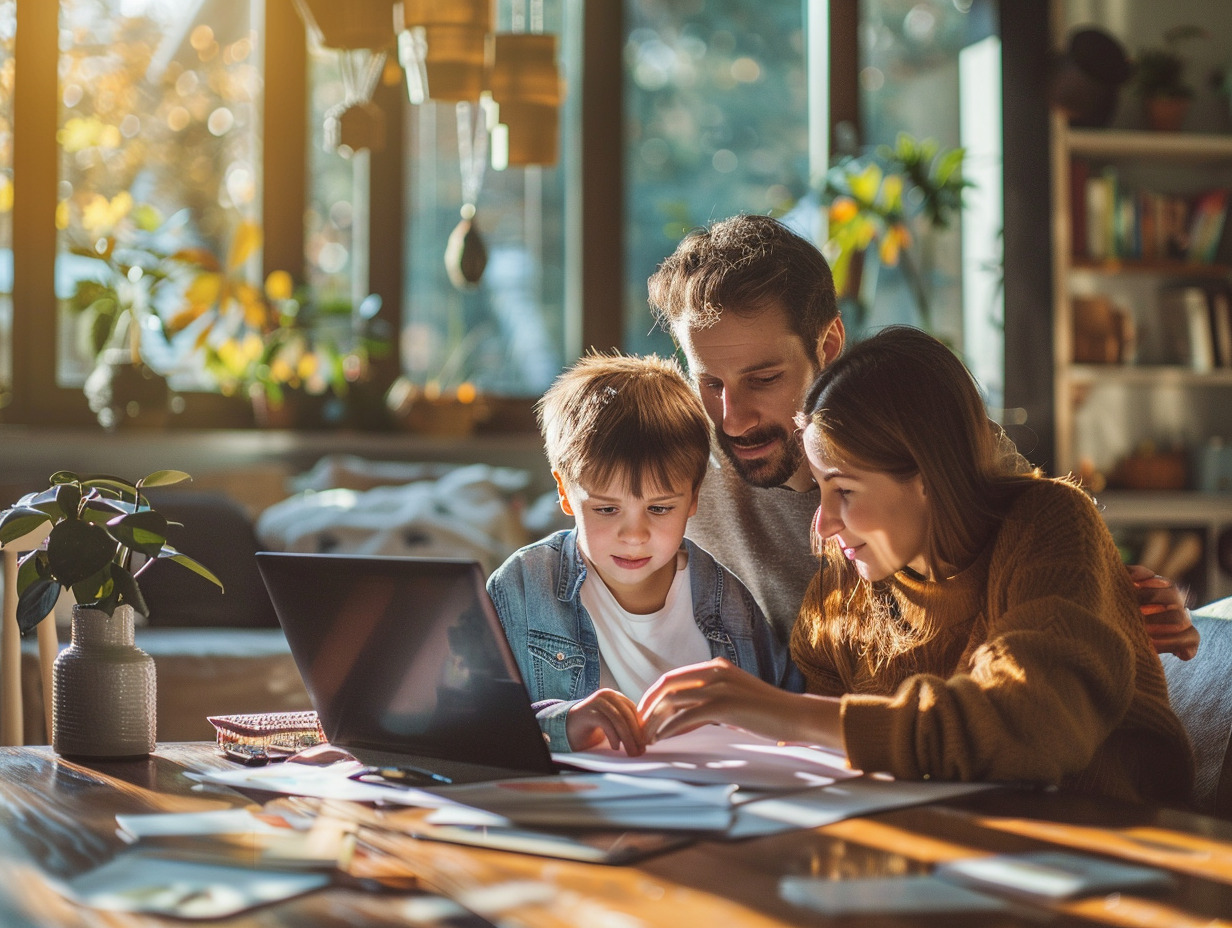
1206, 225
1079, 175
1221, 323
1114, 221
1185, 335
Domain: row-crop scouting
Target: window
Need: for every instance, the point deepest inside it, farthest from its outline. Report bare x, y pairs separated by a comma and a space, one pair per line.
136, 131
933, 69
158, 152
716, 123
8, 24
122, 101
505, 333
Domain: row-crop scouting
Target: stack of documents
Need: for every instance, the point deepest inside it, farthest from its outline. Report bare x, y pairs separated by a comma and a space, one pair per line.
603, 801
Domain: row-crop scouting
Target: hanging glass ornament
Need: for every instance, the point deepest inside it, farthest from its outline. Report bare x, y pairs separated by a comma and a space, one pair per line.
466, 256
352, 127
356, 123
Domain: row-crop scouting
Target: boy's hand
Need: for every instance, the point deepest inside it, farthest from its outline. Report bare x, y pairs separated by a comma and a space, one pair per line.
605, 714
1168, 623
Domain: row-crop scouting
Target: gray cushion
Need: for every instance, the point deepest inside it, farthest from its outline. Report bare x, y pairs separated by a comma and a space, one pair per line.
1201, 694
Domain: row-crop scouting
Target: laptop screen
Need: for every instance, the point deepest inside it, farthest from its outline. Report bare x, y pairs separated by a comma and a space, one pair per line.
405, 656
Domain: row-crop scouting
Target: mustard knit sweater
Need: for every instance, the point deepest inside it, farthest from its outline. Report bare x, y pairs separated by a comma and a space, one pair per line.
1030, 665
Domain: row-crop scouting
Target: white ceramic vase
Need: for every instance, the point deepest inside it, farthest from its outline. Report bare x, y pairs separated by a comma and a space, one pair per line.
103, 702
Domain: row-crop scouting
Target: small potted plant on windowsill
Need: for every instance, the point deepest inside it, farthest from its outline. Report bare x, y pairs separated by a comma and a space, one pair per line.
298, 358
94, 536
1160, 82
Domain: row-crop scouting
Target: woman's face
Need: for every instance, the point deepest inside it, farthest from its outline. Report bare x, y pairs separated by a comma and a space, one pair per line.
880, 522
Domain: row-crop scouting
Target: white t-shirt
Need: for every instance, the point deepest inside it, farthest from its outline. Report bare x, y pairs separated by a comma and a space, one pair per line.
635, 650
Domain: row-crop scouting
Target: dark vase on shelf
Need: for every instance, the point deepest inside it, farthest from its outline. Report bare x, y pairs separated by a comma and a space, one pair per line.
1165, 114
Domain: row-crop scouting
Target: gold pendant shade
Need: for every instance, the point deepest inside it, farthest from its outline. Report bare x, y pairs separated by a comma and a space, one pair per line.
444, 47
349, 23
451, 54
526, 88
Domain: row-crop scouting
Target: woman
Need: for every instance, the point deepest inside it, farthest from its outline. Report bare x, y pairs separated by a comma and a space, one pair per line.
969, 621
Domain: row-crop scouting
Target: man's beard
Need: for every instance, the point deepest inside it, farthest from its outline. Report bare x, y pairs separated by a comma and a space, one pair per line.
771, 471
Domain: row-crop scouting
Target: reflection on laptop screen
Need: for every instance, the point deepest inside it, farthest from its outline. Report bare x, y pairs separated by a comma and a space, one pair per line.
405, 656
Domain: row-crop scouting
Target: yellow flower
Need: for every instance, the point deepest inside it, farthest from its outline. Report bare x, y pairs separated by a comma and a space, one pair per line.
279, 285
842, 210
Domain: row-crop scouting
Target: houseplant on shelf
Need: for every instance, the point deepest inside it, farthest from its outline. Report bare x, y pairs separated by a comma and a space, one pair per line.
283, 347
128, 271
95, 536
1159, 79
881, 210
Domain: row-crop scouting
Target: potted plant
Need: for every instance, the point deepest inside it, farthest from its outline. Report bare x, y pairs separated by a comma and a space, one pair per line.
281, 346
128, 271
95, 536
1160, 82
867, 199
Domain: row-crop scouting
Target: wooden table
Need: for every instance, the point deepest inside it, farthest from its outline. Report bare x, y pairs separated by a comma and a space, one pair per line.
57, 819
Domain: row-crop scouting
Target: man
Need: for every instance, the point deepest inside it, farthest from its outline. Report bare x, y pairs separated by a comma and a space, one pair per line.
752, 306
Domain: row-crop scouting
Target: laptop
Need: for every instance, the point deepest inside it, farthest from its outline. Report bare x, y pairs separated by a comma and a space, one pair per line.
406, 664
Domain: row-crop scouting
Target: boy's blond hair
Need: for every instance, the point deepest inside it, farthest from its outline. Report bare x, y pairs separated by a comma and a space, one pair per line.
631, 421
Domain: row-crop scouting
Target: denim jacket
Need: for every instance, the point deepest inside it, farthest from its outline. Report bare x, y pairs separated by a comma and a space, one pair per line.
537, 594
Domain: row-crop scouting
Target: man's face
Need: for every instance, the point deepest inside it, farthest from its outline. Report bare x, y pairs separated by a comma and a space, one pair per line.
752, 373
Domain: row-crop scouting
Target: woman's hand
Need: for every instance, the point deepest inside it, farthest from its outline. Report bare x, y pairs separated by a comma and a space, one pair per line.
1168, 623
605, 714
721, 693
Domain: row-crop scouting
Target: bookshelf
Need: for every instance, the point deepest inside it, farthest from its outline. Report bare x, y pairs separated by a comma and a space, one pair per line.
1142, 308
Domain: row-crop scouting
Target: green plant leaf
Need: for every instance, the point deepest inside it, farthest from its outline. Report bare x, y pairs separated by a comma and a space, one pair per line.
144, 531
163, 478
949, 163
76, 550
68, 498
101, 510
107, 484
36, 603
19, 521
93, 588
64, 476
125, 592
170, 554
32, 567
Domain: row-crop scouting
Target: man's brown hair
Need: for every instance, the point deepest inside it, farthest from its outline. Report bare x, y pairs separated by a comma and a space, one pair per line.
741, 265
613, 418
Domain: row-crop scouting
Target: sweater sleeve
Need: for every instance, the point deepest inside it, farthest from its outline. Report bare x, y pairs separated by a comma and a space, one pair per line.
1052, 679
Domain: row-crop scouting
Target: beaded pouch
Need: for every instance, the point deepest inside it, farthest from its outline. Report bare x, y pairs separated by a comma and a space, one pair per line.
271, 733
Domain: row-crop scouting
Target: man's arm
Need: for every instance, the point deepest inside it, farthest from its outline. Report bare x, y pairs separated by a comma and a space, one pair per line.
1168, 623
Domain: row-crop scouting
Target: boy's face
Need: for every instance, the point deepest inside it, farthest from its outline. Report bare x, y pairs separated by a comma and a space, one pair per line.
631, 540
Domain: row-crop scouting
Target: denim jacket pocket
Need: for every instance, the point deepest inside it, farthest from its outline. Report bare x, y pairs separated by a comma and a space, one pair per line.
558, 665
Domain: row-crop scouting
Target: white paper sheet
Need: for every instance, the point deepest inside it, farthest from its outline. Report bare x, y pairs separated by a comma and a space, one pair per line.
718, 754
813, 808
585, 800
328, 782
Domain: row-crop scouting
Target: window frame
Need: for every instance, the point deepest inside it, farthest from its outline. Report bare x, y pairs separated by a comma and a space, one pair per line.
36, 398
595, 277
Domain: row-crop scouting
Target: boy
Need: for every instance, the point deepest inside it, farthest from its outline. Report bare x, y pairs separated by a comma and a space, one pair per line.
597, 613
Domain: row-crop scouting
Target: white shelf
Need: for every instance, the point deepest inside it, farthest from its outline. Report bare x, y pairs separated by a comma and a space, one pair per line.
1123, 144
1146, 507
1148, 375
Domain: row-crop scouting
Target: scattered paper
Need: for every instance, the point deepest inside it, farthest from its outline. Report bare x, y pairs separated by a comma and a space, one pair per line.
604, 801
1052, 875
718, 754
905, 895
140, 882
825, 805
328, 782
